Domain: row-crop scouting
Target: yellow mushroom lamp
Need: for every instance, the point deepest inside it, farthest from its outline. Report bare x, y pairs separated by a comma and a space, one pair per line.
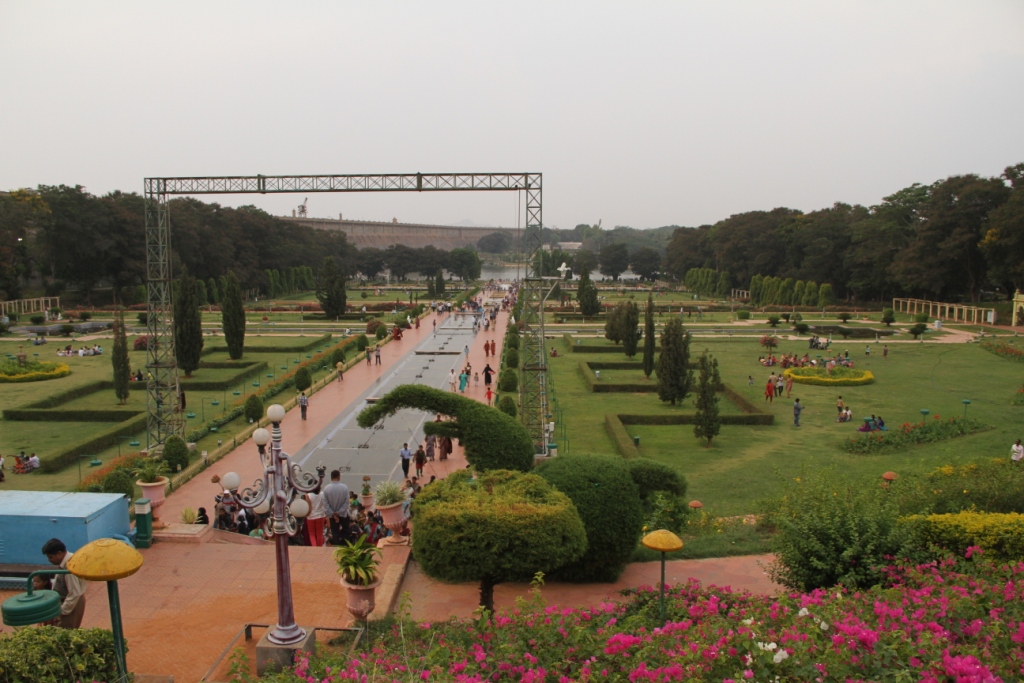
664, 541
107, 559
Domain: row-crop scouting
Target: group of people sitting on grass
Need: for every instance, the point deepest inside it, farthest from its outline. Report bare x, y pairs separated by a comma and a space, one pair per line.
38, 341
67, 351
819, 344
23, 464
872, 424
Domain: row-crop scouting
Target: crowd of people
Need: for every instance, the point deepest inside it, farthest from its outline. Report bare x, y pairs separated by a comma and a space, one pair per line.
23, 464
67, 351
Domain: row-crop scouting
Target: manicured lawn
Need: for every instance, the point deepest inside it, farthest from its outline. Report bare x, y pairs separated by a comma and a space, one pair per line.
744, 462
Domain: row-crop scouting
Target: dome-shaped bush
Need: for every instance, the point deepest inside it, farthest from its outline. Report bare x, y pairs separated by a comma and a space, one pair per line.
175, 453
253, 408
507, 405
508, 381
119, 481
607, 500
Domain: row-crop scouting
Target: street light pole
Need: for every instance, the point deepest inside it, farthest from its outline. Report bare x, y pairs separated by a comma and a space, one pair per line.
280, 491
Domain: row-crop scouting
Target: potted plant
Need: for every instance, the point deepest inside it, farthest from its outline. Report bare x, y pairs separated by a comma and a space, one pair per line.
358, 564
366, 498
151, 480
390, 501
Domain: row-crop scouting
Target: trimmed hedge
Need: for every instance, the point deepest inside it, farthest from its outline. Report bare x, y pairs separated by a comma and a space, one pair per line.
866, 377
48, 654
71, 394
999, 535
319, 341
34, 415
507, 405
175, 453
652, 476
620, 437
491, 439
508, 381
587, 369
251, 369
608, 501
58, 370
511, 358
667, 420
67, 457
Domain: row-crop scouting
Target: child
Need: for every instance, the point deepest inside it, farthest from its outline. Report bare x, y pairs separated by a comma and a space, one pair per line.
750, 380
490, 395
476, 379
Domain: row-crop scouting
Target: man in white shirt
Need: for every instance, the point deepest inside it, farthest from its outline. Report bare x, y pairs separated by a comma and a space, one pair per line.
70, 588
1016, 452
33, 461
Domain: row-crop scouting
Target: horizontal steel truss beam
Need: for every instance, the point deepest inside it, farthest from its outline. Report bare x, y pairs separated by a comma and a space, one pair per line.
388, 182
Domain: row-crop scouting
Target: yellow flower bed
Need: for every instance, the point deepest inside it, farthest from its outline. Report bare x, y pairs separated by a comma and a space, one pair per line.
852, 377
1000, 535
58, 370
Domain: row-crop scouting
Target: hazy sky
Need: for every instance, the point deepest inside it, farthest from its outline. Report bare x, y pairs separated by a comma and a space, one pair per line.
637, 113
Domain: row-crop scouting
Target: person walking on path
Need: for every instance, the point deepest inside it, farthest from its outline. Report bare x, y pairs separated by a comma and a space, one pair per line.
451, 380
840, 406
369, 357
489, 395
336, 501
1016, 452
789, 384
493, 348
446, 447
487, 349
303, 404
885, 352
431, 447
317, 519
405, 455
376, 355
488, 371
435, 326
769, 390
420, 460
797, 409
463, 378
69, 587
341, 370
780, 384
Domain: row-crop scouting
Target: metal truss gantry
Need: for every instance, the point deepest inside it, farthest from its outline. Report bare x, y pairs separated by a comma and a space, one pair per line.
162, 403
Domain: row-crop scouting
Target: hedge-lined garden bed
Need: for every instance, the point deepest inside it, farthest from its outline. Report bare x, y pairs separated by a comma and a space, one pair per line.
11, 371
837, 377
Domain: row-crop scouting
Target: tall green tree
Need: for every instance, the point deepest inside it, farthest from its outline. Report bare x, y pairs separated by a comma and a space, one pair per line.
232, 315
212, 291
708, 423
614, 259
630, 328
330, 288
675, 379
646, 263
439, 283
613, 325
586, 294
649, 341
811, 294
188, 327
119, 360
825, 296
1003, 244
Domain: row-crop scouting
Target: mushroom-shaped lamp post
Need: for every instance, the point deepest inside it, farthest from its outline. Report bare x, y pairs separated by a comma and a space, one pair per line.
104, 559
280, 492
966, 403
888, 478
664, 541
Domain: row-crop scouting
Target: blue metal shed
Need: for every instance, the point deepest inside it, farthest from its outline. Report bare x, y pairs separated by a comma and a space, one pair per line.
30, 518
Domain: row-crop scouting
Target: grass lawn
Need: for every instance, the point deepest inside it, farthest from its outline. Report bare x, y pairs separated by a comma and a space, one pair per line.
738, 470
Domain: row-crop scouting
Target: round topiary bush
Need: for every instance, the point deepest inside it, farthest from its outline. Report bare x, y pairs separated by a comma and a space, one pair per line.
608, 502
381, 332
512, 341
920, 317
362, 342
253, 408
651, 476
303, 379
801, 328
175, 453
372, 324
507, 405
337, 356
743, 315
508, 381
512, 358
119, 481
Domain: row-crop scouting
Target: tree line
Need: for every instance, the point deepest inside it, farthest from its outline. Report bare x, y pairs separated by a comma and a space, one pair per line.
59, 237
953, 239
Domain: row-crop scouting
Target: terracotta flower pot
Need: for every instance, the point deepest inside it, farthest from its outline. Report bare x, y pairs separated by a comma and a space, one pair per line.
394, 519
360, 600
154, 491
367, 500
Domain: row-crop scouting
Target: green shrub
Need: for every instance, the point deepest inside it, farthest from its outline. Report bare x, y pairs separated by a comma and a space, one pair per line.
49, 654
920, 317
66, 330
381, 332
55, 462
37, 319
832, 531
512, 359
773, 320
801, 328
303, 378
512, 341
175, 453
917, 330
491, 439
844, 316
990, 486
608, 502
907, 434
362, 342
785, 316
651, 476
999, 535
501, 526
507, 405
888, 316
119, 481
337, 356
253, 408
143, 318
664, 511
508, 381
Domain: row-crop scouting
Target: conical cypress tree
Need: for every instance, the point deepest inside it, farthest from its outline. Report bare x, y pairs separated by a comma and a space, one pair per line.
439, 283
586, 294
674, 377
708, 423
213, 291
188, 328
649, 341
119, 359
630, 328
232, 316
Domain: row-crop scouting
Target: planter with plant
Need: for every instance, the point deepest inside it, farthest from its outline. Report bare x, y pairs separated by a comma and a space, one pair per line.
189, 515
152, 480
358, 564
390, 500
366, 495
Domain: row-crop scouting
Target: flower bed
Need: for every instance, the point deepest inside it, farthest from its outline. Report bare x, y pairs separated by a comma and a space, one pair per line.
10, 371
907, 434
838, 377
952, 621
1018, 398
1005, 350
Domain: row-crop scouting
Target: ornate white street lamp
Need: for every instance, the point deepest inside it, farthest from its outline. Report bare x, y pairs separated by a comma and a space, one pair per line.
280, 492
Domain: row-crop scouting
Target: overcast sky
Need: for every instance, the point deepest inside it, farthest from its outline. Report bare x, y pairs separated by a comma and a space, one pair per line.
637, 113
